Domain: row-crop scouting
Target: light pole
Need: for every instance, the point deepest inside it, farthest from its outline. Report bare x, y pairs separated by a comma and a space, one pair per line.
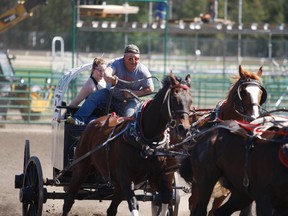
73, 30
239, 34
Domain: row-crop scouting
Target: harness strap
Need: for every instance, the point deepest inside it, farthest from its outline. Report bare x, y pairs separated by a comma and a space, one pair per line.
107, 154
218, 110
248, 147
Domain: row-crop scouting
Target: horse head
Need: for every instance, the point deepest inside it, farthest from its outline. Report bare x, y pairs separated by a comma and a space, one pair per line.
248, 94
178, 105
169, 108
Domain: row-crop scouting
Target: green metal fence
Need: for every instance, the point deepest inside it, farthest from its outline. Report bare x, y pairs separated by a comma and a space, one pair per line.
31, 98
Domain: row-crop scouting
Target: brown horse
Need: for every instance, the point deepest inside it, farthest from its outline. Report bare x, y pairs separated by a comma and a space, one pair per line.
242, 103
247, 162
128, 155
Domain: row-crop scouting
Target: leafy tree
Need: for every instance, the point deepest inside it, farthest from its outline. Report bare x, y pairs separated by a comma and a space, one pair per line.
275, 11
55, 18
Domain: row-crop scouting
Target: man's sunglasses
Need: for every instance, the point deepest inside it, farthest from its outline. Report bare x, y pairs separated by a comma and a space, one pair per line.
132, 59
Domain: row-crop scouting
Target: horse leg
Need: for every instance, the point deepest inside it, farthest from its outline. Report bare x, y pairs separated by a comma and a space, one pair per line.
163, 199
201, 193
133, 205
264, 206
246, 211
79, 173
236, 202
128, 192
160, 209
166, 193
216, 204
279, 211
117, 199
156, 205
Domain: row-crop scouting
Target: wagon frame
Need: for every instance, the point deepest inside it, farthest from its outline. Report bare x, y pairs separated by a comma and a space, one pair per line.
31, 183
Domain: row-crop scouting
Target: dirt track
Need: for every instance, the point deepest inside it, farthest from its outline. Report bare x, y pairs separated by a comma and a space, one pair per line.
11, 162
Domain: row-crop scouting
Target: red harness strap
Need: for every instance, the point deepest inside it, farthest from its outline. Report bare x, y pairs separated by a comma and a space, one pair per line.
251, 127
181, 86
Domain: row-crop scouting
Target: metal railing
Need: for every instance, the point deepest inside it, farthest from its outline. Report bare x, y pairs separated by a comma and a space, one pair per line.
31, 97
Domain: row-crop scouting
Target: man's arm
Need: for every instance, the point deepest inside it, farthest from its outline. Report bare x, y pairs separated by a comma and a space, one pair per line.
109, 77
144, 91
148, 88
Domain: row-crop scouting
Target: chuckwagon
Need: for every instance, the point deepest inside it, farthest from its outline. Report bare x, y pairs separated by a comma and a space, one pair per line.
32, 184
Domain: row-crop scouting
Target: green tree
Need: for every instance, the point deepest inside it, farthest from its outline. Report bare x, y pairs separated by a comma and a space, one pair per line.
55, 18
275, 11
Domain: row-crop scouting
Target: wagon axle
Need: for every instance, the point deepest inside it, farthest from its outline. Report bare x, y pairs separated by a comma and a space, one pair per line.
19, 180
29, 194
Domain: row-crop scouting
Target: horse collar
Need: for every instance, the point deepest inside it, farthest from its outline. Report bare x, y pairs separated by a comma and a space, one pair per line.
134, 135
218, 111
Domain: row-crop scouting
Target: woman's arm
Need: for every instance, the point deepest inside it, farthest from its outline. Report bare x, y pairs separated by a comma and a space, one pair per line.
85, 91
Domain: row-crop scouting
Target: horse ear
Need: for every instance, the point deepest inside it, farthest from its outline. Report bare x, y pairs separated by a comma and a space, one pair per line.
241, 72
173, 79
188, 80
259, 73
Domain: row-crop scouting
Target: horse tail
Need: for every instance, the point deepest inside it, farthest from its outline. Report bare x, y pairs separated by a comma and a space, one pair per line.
185, 170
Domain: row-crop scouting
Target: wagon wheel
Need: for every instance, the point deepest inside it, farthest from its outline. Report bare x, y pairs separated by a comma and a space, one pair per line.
26, 154
176, 200
19, 178
32, 193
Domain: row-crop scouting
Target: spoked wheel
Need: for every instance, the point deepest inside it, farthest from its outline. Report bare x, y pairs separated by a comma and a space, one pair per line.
19, 178
26, 154
32, 192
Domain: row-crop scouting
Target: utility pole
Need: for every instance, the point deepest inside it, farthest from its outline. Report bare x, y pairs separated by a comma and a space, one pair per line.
239, 34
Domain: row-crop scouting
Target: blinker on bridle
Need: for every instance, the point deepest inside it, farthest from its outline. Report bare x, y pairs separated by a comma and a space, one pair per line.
252, 82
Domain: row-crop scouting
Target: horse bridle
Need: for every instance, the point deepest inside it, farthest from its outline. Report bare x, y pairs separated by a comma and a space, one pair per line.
167, 98
250, 82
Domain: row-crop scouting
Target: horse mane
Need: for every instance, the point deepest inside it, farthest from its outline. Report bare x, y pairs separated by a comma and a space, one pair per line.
166, 81
236, 79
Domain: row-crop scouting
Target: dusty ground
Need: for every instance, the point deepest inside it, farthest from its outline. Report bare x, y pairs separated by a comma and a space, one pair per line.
11, 162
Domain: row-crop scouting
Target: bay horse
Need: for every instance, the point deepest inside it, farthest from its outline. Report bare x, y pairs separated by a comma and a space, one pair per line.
243, 103
248, 160
125, 147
